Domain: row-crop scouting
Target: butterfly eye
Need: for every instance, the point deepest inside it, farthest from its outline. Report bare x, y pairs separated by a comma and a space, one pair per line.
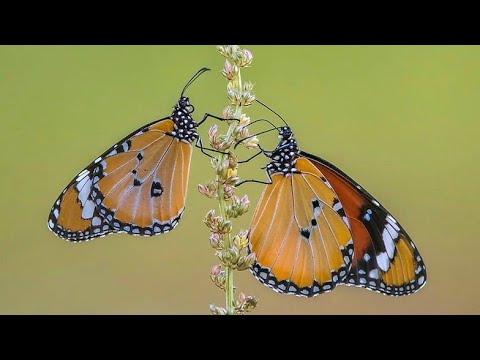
287, 133
183, 102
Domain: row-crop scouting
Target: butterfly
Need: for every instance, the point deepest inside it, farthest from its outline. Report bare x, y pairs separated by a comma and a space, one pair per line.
138, 186
315, 227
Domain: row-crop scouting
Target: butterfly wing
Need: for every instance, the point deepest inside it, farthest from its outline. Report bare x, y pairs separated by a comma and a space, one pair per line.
385, 258
74, 215
138, 186
302, 243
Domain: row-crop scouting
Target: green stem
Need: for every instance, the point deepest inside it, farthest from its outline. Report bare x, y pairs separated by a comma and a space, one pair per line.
222, 204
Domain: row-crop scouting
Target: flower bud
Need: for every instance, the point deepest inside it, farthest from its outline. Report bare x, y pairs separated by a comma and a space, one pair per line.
244, 120
218, 276
247, 98
212, 135
213, 222
240, 240
227, 113
218, 310
234, 97
228, 192
232, 181
226, 227
247, 86
216, 241
249, 303
203, 190
246, 262
222, 50
251, 142
247, 58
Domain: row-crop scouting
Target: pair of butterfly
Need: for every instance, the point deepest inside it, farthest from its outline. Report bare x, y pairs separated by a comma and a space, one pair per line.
314, 227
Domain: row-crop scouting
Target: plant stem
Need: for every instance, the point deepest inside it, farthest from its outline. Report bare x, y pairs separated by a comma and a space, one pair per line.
231, 250
222, 204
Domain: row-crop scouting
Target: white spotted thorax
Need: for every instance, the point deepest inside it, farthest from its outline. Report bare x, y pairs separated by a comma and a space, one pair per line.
284, 156
184, 124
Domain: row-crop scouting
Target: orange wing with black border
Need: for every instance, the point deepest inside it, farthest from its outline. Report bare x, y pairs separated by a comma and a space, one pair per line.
300, 234
385, 258
138, 186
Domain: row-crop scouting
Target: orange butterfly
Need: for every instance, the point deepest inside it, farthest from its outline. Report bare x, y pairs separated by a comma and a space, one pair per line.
138, 186
315, 227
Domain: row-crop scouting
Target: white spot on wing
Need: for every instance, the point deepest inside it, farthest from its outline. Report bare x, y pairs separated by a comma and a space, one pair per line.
373, 274
375, 202
382, 261
388, 241
392, 231
55, 213
337, 206
421, 279
82, 174
50, 224
88, 209
391, 219
85, 191
81, 182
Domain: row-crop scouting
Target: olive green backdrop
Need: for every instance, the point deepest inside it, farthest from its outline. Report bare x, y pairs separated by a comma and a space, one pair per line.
401, 120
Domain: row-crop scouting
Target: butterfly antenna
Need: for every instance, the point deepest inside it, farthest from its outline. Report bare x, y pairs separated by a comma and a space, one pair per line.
194, 77
258, 120
251, 136
261, 103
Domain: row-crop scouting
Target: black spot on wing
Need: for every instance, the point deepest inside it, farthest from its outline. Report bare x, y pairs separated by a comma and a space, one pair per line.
156, 189
305, 233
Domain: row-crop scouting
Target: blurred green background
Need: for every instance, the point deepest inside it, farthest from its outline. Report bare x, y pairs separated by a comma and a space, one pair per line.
401, 120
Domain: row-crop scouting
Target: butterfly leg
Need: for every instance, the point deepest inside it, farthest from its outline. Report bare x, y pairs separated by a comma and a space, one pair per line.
199, 145
262, 151
256, 181
207, 115
250, 158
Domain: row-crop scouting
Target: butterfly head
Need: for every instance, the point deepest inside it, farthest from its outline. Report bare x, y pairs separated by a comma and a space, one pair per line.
285, 133
184, 105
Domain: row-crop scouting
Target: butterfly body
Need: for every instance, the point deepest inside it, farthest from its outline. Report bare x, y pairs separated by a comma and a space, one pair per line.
315, 228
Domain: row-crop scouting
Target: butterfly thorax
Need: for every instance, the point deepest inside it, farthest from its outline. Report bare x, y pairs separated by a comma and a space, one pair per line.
184, 125
284, 156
